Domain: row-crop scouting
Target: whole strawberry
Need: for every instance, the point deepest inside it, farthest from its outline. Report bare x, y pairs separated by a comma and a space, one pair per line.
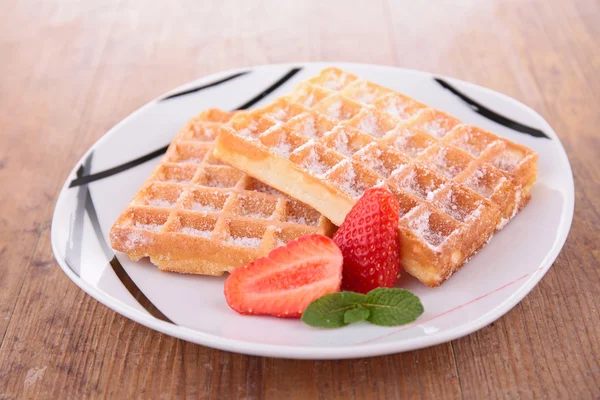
369, 241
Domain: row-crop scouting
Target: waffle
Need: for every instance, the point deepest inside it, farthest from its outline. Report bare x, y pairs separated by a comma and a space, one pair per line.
336, 135
196, 215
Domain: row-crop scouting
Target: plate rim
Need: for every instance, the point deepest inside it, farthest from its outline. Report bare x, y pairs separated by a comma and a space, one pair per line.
322, 352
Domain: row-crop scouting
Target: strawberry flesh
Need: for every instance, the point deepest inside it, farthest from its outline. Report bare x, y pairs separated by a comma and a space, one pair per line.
286, 281
369, 241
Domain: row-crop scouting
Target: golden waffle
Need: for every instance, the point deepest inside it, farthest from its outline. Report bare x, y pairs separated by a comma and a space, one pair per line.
336, 135
196, 215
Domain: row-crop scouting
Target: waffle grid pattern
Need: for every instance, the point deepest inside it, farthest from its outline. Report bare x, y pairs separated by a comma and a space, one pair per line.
456, 184
197, 215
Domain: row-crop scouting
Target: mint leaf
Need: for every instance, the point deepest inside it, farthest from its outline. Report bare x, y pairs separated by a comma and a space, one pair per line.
381, 306
392, 307
329, 311
356, 314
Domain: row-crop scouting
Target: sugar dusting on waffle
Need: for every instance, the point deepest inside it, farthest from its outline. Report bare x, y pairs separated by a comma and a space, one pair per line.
456, 184
196, 215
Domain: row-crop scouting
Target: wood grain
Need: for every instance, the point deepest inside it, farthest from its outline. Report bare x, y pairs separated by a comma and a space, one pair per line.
71, 70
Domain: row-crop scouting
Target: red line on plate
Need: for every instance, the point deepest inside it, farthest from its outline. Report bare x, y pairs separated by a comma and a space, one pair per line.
445, 312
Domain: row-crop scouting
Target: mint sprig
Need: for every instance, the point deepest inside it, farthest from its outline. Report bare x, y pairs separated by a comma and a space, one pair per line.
381, 306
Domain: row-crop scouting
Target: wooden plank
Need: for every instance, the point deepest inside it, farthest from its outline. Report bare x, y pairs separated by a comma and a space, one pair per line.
36, 93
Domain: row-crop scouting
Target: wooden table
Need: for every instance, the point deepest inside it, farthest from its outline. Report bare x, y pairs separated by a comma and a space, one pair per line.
71, 70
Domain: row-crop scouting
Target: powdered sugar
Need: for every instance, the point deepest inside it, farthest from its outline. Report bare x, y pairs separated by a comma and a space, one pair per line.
499, 184
205, 207
476, 183
349, 184
335, 110
464, 144
250, 131
517, 203
188, 230
441, 163
244, 241
332, 84
135, 240
398, 169
280, 115
341, 143
191, 161
371, 156
432, 191
449, 204
335, 83
297, 219
476, 213
313, 163
402, 142
306, 145
505, 221
308, 128
421, 227
302, 216
409, 182
283, 148
257, 215
178, 180
396, 107
507, 161
366, 97
308, 100
209, 132
416, 186
434, 128
203, 133
218, 183
469, 144
148, 227
369, 124
161, 203
502, 223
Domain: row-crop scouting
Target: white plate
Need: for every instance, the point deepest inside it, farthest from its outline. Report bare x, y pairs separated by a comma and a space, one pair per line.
193, 307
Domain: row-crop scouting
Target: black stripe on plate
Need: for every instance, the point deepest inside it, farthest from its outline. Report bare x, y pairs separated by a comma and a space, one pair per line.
82, 180
492, 115
114, 262
208, 85
85, 196
73, 249
135, 291
269, 90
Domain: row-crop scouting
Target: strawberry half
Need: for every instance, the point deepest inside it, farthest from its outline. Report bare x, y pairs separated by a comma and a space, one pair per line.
286, 281
369, 242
